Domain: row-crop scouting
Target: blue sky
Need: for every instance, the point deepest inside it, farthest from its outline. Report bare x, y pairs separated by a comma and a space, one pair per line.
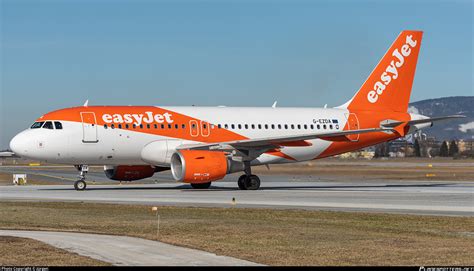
57, 54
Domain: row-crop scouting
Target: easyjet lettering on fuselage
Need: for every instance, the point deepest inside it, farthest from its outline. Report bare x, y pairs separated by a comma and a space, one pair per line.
391, 72
137, 119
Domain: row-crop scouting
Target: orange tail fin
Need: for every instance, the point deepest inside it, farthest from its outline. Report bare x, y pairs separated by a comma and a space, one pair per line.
388, 87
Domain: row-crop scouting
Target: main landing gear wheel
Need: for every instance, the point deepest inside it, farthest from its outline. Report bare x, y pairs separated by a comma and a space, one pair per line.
80, 185
251, 182
241, 181
201, 185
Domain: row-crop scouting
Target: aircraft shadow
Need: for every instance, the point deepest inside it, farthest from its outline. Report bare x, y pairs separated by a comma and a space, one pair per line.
188, 188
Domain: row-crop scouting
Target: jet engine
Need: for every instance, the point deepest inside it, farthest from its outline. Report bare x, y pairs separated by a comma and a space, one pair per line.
200, 166
131, 173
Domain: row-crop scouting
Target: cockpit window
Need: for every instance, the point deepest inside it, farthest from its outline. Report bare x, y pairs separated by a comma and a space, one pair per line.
58, 125
37, 125
48, 125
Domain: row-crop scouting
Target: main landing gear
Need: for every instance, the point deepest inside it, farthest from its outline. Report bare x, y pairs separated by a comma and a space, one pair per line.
80, 184
248, 181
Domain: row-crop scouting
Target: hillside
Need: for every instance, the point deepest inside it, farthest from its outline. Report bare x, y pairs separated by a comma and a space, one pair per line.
451, 129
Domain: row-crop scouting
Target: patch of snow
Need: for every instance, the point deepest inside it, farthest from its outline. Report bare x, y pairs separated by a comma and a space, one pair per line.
413, 110
466, 126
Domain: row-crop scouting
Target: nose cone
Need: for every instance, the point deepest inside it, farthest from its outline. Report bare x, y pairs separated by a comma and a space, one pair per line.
18, 144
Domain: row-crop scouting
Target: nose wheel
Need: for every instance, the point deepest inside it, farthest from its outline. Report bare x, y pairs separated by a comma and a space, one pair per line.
81, 184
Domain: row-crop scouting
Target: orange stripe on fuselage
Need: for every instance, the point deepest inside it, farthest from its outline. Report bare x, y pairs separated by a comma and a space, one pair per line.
216, 135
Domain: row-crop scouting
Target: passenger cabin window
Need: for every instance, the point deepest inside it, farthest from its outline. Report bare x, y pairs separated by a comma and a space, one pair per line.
37, 125
58, 125
48, 125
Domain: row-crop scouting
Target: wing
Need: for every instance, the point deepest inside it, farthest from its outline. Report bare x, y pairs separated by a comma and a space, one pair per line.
267, 143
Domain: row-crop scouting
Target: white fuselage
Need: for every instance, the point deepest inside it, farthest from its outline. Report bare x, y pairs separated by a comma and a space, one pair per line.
123, 147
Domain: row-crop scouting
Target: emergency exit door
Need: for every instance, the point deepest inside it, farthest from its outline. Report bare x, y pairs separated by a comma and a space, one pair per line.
353, 124
89, 127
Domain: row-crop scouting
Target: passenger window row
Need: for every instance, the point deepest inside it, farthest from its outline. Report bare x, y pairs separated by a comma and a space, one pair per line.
277, 126
147, 126
226, 126
47, 125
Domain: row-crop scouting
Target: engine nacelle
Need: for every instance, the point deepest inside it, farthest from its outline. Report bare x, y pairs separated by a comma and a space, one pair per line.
198, 166
129, 173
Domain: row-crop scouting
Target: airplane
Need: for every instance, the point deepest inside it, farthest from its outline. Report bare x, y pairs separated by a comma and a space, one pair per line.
201, 145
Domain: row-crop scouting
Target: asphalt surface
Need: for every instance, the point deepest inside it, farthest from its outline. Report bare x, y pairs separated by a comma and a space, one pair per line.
124, 250
277, 191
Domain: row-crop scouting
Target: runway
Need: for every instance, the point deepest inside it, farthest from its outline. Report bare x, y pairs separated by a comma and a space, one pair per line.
410, 197
124, 250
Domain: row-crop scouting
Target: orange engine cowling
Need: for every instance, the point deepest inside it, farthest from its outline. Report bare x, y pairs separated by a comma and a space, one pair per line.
129, 173
198, 166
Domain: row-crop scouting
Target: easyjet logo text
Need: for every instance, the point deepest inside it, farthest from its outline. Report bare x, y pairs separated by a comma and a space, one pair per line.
391, 72
137, 119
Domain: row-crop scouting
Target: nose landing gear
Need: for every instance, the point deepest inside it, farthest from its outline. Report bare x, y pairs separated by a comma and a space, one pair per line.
80, 184
248, 181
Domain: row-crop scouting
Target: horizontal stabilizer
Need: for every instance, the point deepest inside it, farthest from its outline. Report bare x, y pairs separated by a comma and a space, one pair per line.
393, 124
7, 154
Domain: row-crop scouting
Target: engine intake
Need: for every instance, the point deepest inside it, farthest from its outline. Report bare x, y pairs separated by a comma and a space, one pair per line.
198, 166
